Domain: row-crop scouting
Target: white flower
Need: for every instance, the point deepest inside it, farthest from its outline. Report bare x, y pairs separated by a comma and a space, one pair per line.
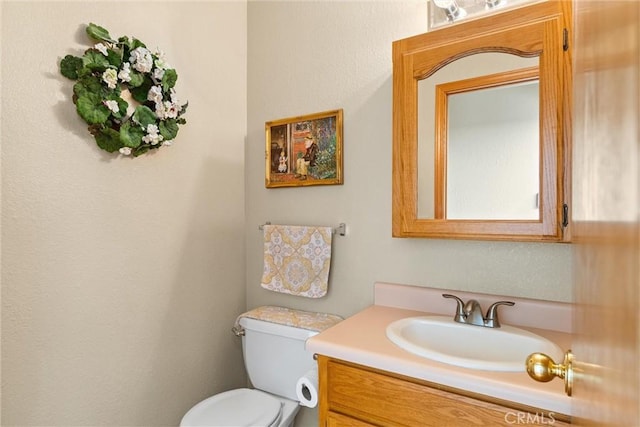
174, 97
141, 59
125, 74
110, 77
160, 111
101, 47
171, 110
168, 109
158, 74
167, 142
112, 105
126, 151
155, 94
152, 129
160, 62
152, 137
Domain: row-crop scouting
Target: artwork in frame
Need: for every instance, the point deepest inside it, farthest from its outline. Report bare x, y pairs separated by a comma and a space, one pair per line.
304, 150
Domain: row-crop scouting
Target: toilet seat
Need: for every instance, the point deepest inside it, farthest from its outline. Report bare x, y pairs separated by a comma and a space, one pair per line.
240, 407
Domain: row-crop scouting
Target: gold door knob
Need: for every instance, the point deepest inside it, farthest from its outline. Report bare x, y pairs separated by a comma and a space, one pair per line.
542, 368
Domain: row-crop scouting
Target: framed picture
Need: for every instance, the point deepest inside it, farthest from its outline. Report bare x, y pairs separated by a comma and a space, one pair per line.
304, 150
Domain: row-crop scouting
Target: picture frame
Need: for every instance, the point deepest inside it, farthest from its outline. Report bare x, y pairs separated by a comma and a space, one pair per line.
304, 150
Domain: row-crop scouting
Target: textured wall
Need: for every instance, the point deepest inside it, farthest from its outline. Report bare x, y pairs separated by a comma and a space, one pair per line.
306, 57
120, 277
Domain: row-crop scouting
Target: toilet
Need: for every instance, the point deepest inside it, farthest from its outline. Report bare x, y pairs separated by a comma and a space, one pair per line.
273, 347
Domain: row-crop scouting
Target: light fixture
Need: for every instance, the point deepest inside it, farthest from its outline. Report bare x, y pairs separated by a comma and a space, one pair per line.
491, 4
443, 12
451, 9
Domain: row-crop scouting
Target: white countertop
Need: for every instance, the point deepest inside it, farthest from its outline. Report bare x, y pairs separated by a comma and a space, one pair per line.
361, 339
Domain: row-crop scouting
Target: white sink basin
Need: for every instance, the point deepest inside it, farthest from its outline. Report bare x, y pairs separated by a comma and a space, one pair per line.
442, 339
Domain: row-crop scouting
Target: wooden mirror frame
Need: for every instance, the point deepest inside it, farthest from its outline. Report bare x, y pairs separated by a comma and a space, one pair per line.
539, 30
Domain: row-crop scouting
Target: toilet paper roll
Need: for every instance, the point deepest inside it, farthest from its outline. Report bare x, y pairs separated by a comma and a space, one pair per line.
307, 388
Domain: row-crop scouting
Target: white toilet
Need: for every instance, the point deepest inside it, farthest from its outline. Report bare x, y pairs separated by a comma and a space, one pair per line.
275, 358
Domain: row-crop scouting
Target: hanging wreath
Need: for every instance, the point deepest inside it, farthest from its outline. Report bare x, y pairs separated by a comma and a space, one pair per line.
113, 72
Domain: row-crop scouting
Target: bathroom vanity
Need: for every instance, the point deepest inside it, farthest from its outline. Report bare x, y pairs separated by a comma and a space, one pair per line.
365, 379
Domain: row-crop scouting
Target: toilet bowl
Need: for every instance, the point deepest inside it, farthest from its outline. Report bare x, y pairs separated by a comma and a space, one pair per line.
273, 348
242, 407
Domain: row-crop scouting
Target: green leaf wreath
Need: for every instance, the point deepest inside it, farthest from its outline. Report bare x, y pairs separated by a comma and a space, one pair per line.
115, 69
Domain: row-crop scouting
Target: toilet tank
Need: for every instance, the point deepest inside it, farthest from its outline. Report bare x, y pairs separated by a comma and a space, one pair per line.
275, 355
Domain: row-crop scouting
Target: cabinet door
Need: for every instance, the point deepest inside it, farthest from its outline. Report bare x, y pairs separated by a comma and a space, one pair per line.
376, 398
337, 420
436, 193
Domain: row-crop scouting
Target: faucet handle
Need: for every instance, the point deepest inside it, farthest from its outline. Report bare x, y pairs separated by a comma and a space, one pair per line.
491, 320
460, 315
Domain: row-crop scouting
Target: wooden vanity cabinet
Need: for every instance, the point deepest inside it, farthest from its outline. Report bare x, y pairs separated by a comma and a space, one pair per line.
353, 395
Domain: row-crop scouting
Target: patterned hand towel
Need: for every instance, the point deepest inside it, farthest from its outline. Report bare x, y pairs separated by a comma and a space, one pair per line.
297, 259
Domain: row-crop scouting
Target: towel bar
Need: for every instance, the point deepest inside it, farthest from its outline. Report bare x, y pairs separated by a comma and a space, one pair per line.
341, 229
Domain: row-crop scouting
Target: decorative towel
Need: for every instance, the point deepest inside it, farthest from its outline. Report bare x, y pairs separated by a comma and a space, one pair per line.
297, 259
290, 317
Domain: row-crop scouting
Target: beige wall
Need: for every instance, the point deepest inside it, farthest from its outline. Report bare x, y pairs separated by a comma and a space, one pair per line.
307, 57
121, 278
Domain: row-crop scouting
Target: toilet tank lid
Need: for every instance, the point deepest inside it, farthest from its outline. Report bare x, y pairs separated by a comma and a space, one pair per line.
299, 319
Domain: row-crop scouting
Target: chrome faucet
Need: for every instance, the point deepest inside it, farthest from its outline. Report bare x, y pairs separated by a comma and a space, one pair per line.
470, 312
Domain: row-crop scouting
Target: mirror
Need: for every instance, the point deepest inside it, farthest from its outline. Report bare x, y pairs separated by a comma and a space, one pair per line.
479, 143
487, 145
490, 154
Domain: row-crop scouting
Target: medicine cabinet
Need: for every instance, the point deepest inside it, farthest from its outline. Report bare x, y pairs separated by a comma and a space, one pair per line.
481, 128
